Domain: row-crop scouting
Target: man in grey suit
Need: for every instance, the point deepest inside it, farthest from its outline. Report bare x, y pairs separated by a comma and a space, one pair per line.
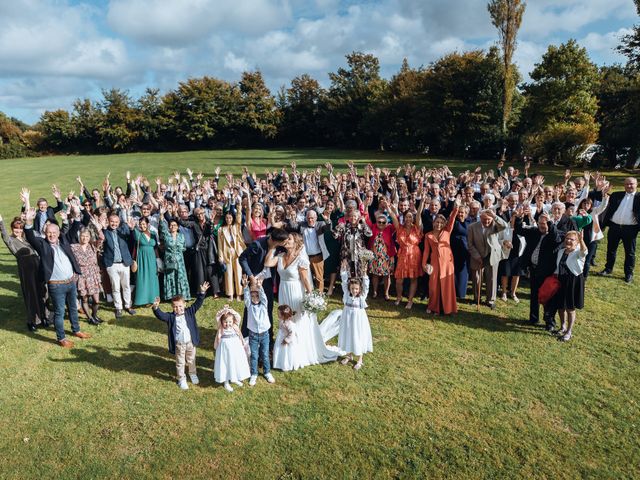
312, 231
485, 251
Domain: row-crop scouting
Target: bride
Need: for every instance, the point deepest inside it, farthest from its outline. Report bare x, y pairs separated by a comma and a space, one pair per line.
295, 280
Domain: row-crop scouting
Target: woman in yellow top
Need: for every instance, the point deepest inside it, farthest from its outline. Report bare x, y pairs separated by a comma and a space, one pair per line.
230, 246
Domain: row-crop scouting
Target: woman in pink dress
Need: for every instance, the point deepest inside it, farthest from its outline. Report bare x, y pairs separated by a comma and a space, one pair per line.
89, 284
254, 218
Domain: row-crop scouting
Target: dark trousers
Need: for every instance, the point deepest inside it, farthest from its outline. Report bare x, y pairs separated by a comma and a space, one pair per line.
62, 294
549, 311
592, 249
628, 234
267, 285
190, 266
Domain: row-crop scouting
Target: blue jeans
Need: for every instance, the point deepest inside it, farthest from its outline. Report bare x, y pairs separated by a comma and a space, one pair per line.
259, 345
61, 295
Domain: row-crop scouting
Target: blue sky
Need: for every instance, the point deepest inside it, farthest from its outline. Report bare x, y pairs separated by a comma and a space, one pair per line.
54, 51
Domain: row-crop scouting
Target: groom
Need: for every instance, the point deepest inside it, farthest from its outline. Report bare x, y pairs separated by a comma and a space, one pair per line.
252, 263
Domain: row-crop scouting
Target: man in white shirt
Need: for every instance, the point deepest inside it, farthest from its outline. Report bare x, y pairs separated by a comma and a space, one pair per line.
622, 216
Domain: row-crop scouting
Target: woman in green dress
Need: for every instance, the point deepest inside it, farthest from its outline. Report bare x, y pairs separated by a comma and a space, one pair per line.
147, 285
175, 273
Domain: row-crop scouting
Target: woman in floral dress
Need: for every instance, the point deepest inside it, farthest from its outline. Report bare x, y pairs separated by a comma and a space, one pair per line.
384, 251
353, 233
89, 284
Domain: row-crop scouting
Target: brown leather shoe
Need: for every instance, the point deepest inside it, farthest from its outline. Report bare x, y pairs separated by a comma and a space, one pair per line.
64, 343
82, 335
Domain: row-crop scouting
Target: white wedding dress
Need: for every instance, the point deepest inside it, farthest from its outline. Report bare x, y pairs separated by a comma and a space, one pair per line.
291, 292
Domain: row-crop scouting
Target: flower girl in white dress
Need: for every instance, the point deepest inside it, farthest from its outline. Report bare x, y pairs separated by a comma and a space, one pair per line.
231, 364
286, 349
354, 336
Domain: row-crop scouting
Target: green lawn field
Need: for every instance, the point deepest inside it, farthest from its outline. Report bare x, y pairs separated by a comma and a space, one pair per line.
476, 395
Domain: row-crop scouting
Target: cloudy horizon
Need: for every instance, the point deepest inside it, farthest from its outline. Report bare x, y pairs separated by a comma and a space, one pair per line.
54, 51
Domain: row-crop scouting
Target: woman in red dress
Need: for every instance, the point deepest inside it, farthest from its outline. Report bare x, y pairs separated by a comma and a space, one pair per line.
437, 261
408, 235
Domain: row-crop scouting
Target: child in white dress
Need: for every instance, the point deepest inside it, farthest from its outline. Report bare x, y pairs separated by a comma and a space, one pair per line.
231, 364
354, 336
286, 349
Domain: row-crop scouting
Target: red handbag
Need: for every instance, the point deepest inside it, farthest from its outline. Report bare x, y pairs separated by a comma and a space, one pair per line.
548, 289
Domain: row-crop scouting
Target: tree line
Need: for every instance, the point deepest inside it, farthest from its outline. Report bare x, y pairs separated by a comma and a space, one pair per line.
466, 104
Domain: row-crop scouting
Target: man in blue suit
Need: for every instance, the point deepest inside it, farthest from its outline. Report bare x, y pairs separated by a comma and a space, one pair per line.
117, 260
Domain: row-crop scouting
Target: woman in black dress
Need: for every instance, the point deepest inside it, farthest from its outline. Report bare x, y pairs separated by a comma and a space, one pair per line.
33, 290
570, 297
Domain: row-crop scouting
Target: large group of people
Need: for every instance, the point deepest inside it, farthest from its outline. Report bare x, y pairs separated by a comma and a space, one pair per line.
290, 232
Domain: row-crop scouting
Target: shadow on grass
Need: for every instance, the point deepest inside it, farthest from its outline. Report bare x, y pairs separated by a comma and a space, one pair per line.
137, 358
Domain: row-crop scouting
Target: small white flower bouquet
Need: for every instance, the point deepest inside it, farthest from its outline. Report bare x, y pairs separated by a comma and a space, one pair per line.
366, 255
314, 302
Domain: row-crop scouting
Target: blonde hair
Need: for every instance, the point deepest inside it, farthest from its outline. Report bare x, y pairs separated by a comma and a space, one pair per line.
297, 241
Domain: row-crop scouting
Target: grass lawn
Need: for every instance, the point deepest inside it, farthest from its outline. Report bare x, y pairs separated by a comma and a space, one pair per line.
477, 395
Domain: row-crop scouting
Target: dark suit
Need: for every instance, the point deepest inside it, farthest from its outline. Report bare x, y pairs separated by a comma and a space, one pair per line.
546, 265
45, 250
460, 252
190, 318
625, 233
123, 234
252, 263
38, 223
63, 291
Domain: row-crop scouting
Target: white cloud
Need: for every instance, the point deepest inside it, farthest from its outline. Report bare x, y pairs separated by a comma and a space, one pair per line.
180, 23
235, 64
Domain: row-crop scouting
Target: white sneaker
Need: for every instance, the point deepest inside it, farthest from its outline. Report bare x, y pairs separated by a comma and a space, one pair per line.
194, 379
503, 297
269, 378
253, 380
228, 387
515, 299
183, 384
239, 384
566, 337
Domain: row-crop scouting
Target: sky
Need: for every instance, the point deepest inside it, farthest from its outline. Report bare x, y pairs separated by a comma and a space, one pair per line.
55, 51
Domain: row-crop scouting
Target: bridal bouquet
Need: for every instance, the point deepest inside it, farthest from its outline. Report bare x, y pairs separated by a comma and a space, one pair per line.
314, 302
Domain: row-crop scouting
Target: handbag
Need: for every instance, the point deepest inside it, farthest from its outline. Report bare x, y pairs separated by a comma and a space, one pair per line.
548, 289
134, 263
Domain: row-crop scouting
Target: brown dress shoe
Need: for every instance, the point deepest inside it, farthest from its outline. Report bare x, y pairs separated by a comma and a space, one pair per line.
82, 335
64, 343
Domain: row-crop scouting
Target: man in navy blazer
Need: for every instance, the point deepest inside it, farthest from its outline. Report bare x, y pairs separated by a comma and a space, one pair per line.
182, 334
45, 213
59, 268
622, 216
117, 260
252, 263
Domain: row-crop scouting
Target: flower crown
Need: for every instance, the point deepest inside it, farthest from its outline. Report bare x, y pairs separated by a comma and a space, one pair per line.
228, 310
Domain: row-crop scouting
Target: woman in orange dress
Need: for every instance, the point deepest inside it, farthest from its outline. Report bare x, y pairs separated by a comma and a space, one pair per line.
408, 235
437, 261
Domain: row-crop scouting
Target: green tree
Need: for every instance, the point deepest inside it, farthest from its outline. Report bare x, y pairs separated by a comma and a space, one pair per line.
303, 107
559, 114
399, 110
353, 97
630, 45
460, 105
149, 124
117, 127
258, 115
619, 111
58, 130
202, 112
506, 16
85, 120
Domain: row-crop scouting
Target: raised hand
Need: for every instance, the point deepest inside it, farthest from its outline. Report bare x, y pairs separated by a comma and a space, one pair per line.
30, 214
217, 171
56, 192
24, 195
204, 287
156, 303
